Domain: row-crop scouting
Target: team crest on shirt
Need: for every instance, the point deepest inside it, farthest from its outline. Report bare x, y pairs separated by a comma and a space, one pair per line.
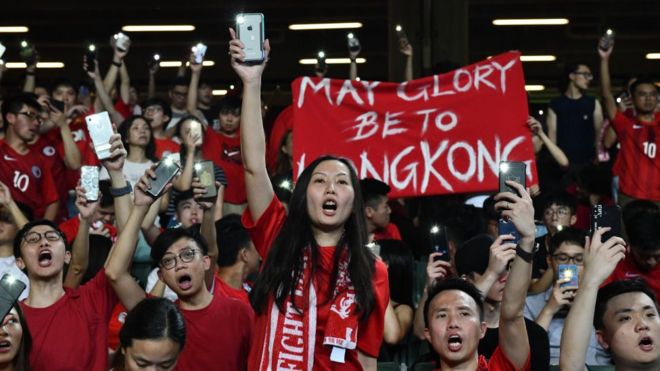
48, 151
36, 171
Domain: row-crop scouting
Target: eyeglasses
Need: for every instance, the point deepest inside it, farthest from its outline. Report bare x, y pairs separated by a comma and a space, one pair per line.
587, 75
565, 258
31, 115
179, 94
559, 212
185, 256
154, 109
34, 237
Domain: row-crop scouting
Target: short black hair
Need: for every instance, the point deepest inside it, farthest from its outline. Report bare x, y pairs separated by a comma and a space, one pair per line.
232, 237
569, 68
454, 284
570, 235
28, 227
179, 81
182, 196
63, 81
229, 103
13, 104
643, 229
106, 197
373, 191
560, 198
153, 319
466, 222
616, 288
642, 80
472, 256
635, 206
167, 109
170, 236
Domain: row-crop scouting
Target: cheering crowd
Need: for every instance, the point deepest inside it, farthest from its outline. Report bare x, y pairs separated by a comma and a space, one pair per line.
330, 274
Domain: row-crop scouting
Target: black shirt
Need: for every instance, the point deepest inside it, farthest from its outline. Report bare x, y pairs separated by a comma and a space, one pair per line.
538, 344
575, 128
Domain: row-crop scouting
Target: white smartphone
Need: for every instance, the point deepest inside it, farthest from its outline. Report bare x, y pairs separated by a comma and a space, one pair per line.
2, 50
100, 129
89, 179
122, 41
250, 30
199, 51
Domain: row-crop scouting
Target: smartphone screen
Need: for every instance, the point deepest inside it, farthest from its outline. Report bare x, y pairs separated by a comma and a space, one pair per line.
568, 273
204, 172
165, 171
100, 130
250, 30
89, 179
57, 104
10, 290
439, 244
91, 58
606, 216
515, 171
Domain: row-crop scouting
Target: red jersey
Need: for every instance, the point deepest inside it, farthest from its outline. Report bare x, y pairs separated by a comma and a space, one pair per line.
82, 139
29, 179
165, 147
637, 163
391, 232
627, 269
226, 153
72, 334
218, 337
70, 229
54, 157
499, 362
229, 292
370, 331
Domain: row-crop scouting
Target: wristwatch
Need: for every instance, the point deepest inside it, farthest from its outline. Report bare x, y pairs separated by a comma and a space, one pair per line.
118, 192
527, 256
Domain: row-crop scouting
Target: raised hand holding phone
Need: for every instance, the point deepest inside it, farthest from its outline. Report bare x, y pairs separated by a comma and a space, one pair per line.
247, 72
250, 29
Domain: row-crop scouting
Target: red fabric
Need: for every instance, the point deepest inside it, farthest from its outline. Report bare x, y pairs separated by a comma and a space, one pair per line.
583, 207
499, 362
218, 337
370, 331
166, 146
82, 139
123, 109
627, 269
70, 229
116, 322
72, 334
637, 163
29, 179
283, 122
226, 153
391, 232
441, 134
229, 292
53, 152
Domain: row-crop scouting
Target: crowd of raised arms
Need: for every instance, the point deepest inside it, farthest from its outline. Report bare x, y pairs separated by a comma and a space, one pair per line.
235, 268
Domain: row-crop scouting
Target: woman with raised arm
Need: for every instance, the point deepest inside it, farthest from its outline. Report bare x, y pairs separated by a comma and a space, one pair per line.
321, 296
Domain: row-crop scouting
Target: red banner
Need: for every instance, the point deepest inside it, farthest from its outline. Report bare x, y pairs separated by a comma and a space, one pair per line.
437, 135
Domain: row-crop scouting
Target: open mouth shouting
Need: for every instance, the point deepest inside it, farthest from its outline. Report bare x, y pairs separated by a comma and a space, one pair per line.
5, 346
646, 344
45, 258
329, 207
184, 282
454, 343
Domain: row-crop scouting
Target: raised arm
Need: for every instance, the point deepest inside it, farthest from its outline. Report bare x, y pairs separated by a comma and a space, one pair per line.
117, 62
72, 158
606, 82
151, 90
195, 73
80, 251
8, 203
115, 165
501, 253
125, 84
102, 95
513, 338
557, 154
435, 270
207, 228
184, 180
598, 126
551, 123
253, 139
30, 78
600, 260
406, 49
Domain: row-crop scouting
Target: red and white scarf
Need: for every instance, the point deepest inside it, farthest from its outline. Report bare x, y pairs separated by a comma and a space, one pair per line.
291, 336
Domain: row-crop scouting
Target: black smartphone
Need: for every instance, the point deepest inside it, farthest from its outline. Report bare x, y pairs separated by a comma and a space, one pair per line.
607, 40
321, 65
91, 57
204, 172
606, 216
28, 53
439, 244
514, 171
57, 104
10, 291
165, 171
353, 43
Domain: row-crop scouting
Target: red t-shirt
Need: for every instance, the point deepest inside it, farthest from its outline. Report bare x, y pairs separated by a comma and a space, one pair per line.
637, 163
391, 232
230, 292
85, 146
226, 153
218, 337
166, 146
72, 334
53, 155
29, 179
70, 229
499, 362
370, 331
627, 269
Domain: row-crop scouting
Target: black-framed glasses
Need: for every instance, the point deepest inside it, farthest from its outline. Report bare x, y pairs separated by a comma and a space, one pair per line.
31, 115
559, 212
587, 75
34, 237
186, 256
562, 258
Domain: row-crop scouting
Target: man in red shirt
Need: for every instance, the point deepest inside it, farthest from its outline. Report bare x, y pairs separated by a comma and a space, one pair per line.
377, 211
158, 113
643, 256
26, 172
454, 312
637, 164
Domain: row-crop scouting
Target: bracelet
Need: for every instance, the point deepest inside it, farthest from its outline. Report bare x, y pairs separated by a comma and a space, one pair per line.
118, 192
524, 255
118, 64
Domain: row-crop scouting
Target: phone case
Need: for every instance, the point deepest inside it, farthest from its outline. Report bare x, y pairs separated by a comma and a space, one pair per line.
199, 51
353, 44
439, 243
568, 272
10, 290
57, 104
506, 227
204, 171
122, 41
606, 216
195, 128
251, 32
511, 170
165, 171
100, 130
89, 179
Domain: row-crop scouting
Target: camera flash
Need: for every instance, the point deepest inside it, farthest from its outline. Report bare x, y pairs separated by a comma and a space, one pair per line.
618, 99
91, 47
240, 19
10, 279
540, 112
435, 229
609, 31
286, 184
559, 228
350, 35
321, 54
2, 62
156, 57
504, 167
24, 44
398, 28
168, 161
198, 166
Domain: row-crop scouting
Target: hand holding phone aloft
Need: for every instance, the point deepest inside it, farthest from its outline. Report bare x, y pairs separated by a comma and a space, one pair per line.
247, 72
250, 29
100, 129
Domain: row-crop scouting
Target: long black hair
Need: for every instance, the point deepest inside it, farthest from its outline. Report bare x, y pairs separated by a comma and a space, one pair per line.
21, 361
284, 265
124, 129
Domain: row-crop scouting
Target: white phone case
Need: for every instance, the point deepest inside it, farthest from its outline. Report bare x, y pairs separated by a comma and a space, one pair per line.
100, 129
250, 30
